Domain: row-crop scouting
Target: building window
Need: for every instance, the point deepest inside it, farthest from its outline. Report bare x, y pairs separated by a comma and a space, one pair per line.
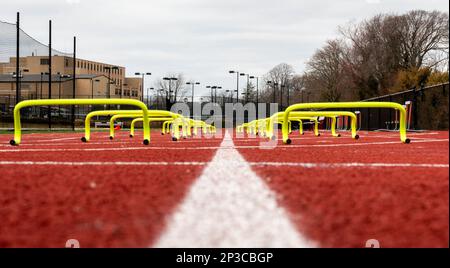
45, 61
67, 62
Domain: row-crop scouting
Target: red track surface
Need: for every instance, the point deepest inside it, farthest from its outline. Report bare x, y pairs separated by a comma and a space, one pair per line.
100, 206
346, 206
128, 206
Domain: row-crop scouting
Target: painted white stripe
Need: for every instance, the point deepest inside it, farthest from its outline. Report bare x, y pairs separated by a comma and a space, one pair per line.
347, 165
115, 142
230, 206
19, 150
258, 164
116, 163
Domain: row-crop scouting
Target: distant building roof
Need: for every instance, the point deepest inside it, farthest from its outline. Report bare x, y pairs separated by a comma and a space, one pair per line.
30, 78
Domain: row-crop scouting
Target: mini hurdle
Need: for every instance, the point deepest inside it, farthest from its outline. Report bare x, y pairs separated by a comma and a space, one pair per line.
152, 119
338, 105
146, 121
281, 116
64, 102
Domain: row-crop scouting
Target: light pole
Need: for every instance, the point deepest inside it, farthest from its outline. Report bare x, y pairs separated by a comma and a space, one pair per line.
142, 86
193, 86
270, 83
148, 95
248, 82
257, 92
214, 92
211, 90
281, 95
237, 83
169, 95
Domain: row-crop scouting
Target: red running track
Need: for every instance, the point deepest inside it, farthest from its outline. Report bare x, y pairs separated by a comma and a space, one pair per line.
342, 206
100, 206
103, 203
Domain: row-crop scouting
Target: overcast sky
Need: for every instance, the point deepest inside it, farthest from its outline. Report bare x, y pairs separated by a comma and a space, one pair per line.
202, 39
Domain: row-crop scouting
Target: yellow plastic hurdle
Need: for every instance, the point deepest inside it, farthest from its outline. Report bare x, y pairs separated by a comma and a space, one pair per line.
281, 117
89, 116
345, 105
58, 102
178, 119
300, 121
165, 127
152, 119
268, 130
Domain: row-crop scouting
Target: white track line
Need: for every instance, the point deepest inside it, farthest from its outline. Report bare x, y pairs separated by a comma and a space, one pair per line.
230, 206
257, 164
19, 150
346, 165
115, 163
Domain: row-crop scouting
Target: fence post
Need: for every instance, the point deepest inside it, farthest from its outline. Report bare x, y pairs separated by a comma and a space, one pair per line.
415, 107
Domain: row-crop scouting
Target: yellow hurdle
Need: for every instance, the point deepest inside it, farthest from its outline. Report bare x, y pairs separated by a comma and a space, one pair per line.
87, 121
281, 115
345, 105
89, 116
165, 126
152, 119
156, 114
64, 102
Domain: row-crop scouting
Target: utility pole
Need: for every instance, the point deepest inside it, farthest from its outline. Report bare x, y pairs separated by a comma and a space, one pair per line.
74, 79
49, 72
18, 93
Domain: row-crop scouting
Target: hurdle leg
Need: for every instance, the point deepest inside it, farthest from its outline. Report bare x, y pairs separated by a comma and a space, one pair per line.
176, 130
333, 127
354, 121
188, 130
403, 137
132, 128
87, 129
163, 128
316, 128
111, 128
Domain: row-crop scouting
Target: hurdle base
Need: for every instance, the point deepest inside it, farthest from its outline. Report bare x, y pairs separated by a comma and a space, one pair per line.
83, 139
13, 143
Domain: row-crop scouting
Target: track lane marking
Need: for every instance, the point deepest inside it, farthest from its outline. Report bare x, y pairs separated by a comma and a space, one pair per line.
215, 147
257, 164
230, 206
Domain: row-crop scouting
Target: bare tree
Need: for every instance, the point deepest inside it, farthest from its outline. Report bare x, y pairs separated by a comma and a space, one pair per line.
326, 71
278, 76
173, 88
385, 44
425, 35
